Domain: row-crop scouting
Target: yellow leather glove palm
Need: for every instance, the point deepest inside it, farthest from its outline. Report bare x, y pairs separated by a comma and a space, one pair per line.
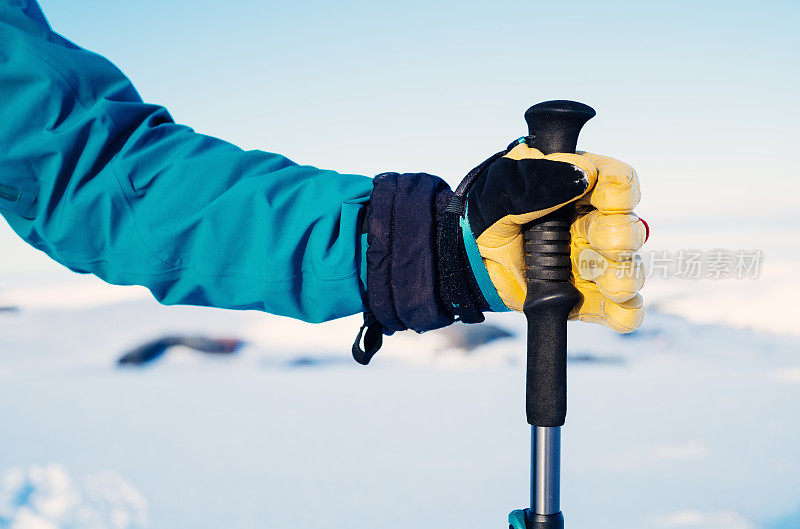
604, 237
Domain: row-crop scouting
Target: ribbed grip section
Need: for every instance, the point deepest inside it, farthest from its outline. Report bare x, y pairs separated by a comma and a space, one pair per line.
547, 250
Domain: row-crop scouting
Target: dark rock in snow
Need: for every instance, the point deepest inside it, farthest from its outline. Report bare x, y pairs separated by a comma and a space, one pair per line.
152, 350
468, 337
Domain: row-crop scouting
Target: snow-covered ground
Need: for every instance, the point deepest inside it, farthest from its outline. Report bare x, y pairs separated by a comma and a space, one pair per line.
692, 422
682, 425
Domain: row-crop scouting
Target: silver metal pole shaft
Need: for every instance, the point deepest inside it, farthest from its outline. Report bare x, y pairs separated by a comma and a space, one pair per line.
545, 469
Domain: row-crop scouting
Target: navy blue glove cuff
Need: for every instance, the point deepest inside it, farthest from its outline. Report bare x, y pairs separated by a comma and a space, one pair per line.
418, 274
402, 290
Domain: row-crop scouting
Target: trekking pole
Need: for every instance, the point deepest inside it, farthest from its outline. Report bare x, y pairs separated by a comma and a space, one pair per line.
554, 127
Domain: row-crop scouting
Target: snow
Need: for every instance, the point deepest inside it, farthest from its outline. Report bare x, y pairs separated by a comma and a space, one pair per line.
690, 423
46, 497
680, 425
709, 520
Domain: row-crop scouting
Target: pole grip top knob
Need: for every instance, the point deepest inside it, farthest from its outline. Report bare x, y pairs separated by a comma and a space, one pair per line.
555, 125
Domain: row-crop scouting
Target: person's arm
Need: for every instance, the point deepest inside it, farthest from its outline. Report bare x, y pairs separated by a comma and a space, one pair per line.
106, 184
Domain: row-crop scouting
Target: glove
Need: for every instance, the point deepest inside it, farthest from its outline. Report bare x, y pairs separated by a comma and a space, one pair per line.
433, 256
522, 185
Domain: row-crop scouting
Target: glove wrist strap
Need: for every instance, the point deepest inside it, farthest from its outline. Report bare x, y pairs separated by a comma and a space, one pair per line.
457, 284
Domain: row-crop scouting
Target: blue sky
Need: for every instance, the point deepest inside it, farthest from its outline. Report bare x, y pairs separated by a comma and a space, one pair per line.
699, 96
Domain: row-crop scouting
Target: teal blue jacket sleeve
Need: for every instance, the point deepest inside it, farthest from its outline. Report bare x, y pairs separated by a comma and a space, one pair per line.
106, 184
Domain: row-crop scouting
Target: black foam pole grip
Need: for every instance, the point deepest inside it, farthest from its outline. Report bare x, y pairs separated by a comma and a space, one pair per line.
554, 127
